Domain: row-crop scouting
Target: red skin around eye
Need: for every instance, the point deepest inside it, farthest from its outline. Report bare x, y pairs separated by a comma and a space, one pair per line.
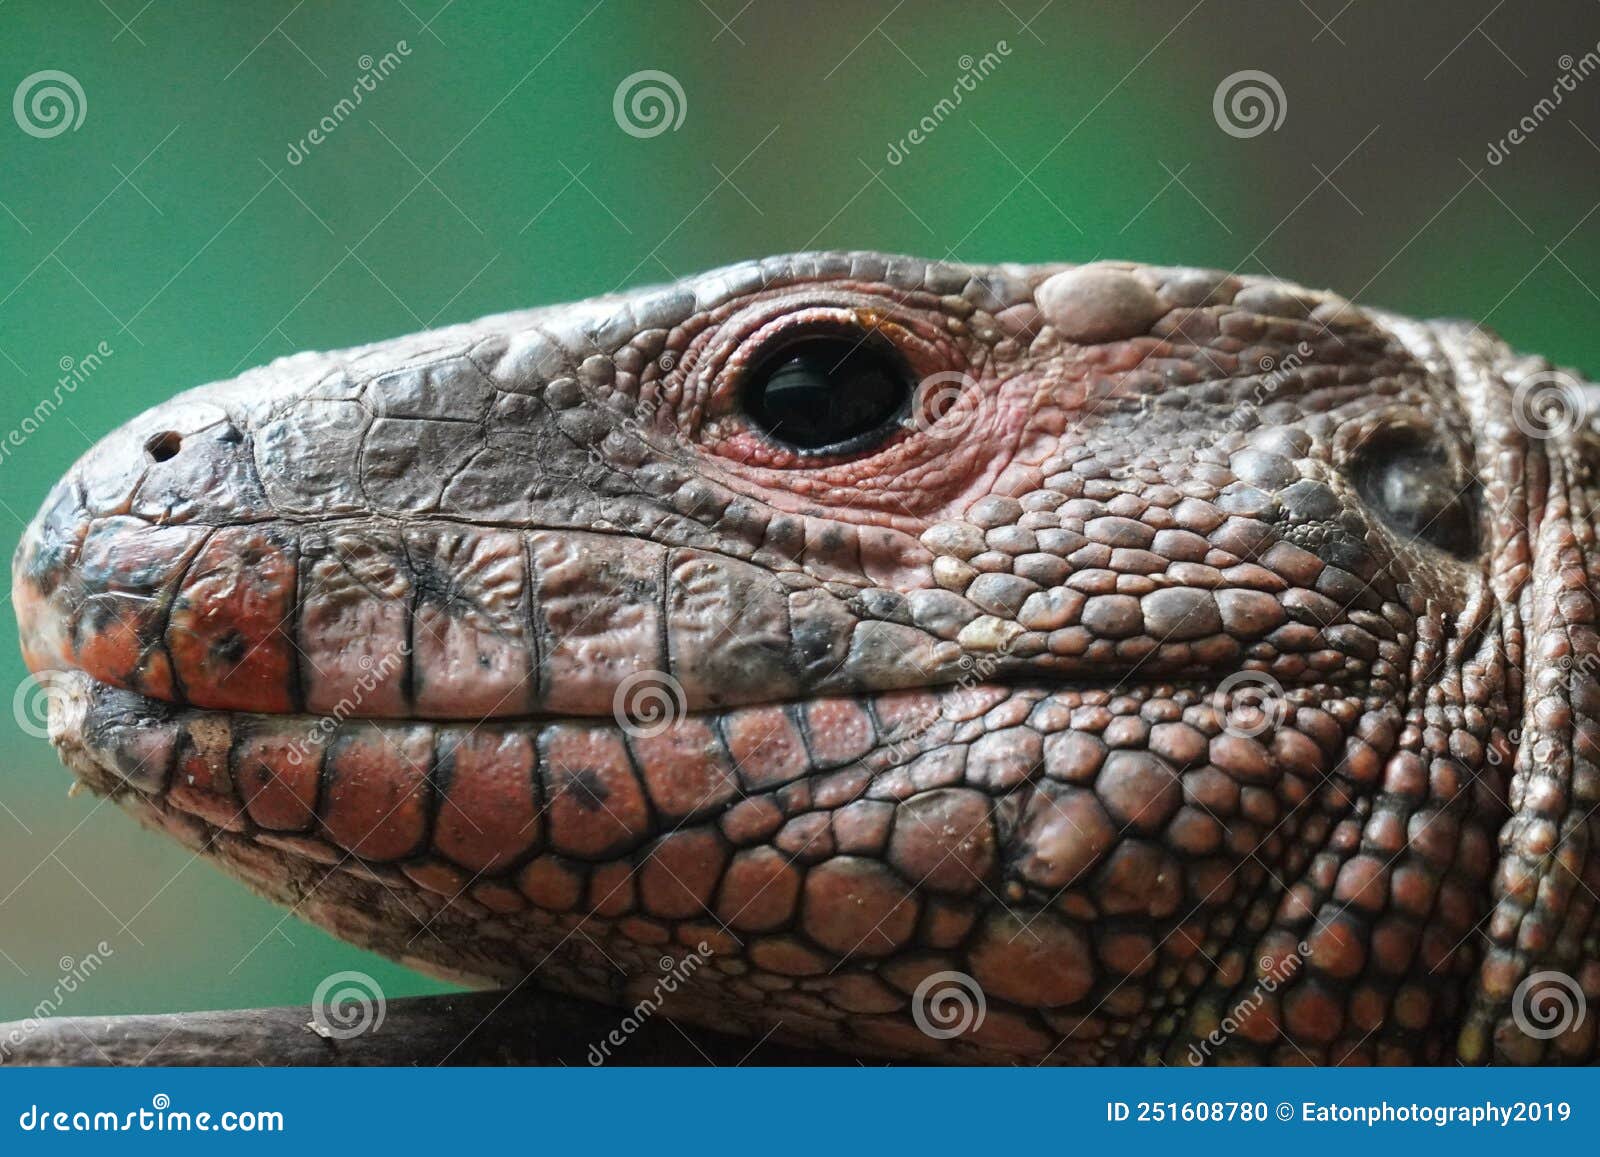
908, 482
904, 482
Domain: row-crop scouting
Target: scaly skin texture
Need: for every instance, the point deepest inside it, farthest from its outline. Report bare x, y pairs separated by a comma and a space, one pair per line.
1100, 683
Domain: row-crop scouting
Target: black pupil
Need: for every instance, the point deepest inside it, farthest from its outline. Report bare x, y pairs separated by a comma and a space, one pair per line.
1413, 487
838, 394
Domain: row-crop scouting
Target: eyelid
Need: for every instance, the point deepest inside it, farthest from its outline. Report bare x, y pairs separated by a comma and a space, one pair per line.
859, 323
919, 331
875, 340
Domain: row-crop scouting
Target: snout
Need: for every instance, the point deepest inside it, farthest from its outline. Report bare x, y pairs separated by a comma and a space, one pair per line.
108, 576
412, 540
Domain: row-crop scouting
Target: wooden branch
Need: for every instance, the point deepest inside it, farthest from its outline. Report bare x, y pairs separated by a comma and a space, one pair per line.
483, 1028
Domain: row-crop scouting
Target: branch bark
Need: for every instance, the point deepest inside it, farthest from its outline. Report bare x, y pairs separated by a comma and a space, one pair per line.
484, 1028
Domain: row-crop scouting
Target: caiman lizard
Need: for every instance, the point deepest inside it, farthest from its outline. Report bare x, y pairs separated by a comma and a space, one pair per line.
1183, 665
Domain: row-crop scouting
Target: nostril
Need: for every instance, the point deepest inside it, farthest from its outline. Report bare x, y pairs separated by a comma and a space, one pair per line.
163, 446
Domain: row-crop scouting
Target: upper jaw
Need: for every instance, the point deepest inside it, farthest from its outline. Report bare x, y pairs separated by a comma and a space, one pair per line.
175, 561
388, 619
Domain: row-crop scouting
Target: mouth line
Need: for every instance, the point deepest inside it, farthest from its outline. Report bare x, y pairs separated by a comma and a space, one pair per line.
115, 739
1046, 682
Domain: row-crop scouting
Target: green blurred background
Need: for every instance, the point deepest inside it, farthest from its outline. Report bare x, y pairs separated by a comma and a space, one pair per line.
487, 171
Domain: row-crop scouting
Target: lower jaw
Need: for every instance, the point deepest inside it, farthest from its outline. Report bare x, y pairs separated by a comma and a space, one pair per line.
750, 872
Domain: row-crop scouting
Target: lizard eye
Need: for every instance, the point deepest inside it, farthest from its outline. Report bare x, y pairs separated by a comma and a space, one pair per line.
1412, 486
828, 394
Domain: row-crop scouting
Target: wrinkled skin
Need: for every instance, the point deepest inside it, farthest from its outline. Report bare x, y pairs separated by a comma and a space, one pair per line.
366, 627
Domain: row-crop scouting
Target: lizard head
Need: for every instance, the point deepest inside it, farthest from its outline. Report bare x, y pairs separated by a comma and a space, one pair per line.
1141, 651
